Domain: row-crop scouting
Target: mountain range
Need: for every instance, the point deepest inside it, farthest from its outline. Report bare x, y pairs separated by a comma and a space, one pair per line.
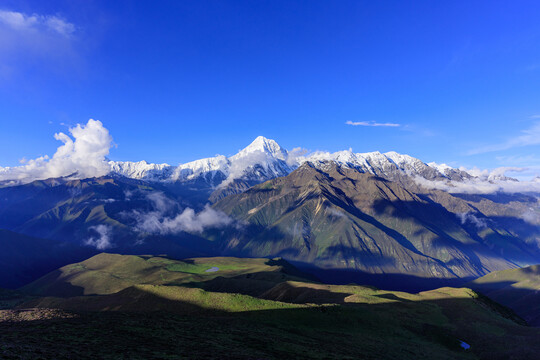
370, 218
265, 159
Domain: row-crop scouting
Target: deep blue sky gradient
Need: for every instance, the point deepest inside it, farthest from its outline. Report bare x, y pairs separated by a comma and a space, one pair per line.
174, 81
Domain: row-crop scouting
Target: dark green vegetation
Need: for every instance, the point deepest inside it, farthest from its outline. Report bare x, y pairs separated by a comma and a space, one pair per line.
519, 289
354, 226
150, 307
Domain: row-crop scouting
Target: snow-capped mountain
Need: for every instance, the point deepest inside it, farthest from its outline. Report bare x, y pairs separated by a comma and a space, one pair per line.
261, 160
265, 159
141, 169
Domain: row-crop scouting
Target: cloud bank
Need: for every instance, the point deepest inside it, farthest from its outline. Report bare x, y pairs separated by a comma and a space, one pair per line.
484, 183
371, 123
81, 156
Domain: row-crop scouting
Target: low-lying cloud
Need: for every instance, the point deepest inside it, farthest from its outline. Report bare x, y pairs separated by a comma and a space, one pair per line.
166, 218
81, 156
469, 217
103, 240
335, 212
483, 182
479, 186
155, 222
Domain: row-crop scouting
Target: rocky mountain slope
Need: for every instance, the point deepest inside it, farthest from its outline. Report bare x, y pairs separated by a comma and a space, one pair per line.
341, 219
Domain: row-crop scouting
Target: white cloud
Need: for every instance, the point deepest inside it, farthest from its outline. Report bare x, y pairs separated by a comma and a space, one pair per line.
35, 22
483, 182
103, 239
469, 217
160, 202
165, 217
82, 156
371, 123
155, 222
39, 42
295, 155
239, 165
335, 212
532, 215
528, 137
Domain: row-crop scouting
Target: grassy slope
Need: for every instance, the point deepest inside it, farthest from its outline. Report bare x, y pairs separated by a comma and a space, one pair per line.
198, 316
110, 273
518, 289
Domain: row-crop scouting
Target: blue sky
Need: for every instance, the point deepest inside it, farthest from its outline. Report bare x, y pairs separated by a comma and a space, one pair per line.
174, 81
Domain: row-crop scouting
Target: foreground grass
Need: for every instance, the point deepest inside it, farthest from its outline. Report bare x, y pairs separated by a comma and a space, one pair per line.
251, 309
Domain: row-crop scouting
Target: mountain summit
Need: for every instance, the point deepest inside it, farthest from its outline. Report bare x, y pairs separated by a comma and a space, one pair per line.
267, 146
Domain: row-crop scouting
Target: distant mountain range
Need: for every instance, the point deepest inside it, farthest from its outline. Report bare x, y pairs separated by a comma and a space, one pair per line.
384, 219
265, 159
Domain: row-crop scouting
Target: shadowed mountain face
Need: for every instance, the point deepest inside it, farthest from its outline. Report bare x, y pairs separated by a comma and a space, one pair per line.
342, 219
73, 211
519, 289
54, 222
24, 258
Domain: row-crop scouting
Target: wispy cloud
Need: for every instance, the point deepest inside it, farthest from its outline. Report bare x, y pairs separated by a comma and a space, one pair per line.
30, 39
530, 136
371, 123
23, 22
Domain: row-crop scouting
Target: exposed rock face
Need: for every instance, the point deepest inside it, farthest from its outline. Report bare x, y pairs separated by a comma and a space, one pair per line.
338, 217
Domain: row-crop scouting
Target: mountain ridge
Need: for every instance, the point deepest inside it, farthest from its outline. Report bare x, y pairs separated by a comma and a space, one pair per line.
268, 155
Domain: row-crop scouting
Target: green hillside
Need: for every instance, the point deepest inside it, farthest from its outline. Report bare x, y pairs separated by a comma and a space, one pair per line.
150, 307
519, 289
109, 273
